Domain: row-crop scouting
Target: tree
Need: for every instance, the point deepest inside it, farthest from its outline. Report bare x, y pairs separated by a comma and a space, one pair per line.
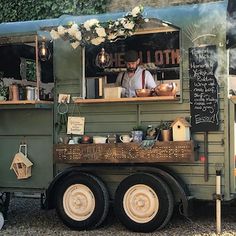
22, 10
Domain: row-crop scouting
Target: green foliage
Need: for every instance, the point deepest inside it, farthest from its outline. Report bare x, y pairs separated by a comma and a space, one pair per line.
164, 125
138, 128
3, 89
21, 10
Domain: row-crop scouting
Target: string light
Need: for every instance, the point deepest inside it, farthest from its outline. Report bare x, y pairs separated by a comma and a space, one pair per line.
103, 59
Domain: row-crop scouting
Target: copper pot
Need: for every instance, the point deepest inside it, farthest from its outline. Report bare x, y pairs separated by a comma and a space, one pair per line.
143, 92
166, 89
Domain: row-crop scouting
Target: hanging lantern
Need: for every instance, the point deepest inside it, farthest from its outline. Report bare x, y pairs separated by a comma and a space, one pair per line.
44, 52
103, 59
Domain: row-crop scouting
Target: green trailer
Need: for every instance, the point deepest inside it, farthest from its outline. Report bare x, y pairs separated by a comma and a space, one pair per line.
188, 45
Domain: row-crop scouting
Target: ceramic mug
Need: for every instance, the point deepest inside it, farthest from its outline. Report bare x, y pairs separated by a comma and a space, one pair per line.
76, 139
125, 138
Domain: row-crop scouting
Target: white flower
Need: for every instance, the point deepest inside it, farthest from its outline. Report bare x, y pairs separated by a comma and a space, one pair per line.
111, 25
135, 11
129, 25
75, 44
97, 41
54, 34
121, 27
112, 36
73, 30
122, 20
89, 23
146, 20
100, 32
78, 35
121, 32
61, 30
74, 26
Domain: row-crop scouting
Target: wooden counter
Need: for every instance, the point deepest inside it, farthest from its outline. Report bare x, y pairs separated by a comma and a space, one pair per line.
135, 99
233, 99
178, 151
19, 104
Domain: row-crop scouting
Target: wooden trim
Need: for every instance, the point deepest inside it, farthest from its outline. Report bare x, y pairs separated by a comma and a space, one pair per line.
135, 99
233, 99
25, 102
178, 151
37, 66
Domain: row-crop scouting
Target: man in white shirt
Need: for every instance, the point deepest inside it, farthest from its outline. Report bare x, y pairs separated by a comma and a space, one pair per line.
135, 77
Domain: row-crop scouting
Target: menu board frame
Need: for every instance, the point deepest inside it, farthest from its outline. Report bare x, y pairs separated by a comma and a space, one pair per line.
204, 88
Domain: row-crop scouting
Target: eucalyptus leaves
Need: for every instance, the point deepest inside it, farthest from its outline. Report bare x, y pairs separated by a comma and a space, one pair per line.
94, 32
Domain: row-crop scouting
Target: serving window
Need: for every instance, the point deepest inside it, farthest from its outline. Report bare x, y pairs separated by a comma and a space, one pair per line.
159, 52
26, 75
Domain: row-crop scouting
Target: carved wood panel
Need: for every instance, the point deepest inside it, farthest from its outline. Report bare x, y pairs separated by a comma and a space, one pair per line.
178, 151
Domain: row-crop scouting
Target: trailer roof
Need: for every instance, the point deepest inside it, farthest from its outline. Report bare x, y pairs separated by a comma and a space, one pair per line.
173, 14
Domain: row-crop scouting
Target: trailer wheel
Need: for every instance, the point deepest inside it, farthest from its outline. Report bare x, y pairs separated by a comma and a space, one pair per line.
82, 201
143, 202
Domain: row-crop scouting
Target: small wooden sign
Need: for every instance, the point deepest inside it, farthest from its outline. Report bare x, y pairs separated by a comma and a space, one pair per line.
178, 151
75, 125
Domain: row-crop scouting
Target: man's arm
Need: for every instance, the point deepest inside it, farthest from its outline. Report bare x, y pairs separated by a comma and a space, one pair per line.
150, 82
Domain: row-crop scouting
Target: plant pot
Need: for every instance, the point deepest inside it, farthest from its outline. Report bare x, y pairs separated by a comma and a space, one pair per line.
166, 135
2, 98
137, 136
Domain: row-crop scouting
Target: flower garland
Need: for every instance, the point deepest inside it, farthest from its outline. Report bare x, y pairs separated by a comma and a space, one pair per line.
94, 32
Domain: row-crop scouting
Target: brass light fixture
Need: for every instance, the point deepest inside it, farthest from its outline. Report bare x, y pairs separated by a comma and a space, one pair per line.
44, 52
103, 59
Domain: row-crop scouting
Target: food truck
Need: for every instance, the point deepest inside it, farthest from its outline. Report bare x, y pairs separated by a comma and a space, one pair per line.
64, 120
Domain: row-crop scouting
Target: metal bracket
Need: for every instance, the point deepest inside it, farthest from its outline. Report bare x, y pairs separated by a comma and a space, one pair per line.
218, 196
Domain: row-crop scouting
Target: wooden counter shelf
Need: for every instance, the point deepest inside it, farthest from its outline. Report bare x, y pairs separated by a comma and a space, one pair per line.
25, 104
233, 98
178, 151
135, 99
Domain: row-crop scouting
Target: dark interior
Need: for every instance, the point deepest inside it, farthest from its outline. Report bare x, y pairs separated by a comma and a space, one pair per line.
10, 61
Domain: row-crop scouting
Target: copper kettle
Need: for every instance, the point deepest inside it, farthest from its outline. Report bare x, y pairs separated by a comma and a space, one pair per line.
166, 89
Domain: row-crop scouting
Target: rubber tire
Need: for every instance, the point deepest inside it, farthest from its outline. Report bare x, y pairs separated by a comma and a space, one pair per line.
163, 193
101, 196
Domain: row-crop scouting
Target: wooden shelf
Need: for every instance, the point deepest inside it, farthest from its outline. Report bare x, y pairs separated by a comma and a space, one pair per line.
135, 99
233, 99
25, 102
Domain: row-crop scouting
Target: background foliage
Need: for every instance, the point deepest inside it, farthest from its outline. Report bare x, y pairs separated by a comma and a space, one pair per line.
21, 10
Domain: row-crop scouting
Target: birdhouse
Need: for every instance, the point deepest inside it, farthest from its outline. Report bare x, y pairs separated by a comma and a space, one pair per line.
181, 129
21, 166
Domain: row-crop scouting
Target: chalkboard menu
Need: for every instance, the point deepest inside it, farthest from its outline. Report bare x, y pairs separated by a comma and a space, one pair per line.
204, 101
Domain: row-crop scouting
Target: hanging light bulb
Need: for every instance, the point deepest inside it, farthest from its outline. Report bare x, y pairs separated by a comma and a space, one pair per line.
44, 52
103, 59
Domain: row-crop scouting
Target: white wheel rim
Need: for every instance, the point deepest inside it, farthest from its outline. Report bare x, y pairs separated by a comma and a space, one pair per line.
141, 203
78, 202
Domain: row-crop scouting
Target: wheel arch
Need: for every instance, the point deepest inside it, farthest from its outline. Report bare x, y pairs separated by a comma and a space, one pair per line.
175, 183
49, 202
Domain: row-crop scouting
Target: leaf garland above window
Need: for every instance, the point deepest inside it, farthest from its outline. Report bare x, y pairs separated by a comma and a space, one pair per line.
94, 32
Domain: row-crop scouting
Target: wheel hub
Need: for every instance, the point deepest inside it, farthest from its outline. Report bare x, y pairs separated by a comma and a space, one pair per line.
141, 203
79, 202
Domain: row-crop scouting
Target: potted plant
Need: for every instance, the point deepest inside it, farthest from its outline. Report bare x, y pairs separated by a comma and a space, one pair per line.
3, 90
137, 133
165, 129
